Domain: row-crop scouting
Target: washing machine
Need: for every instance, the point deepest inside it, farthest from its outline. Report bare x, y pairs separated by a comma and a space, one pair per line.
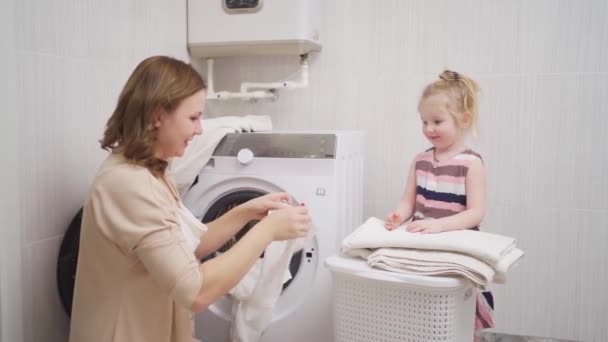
324, 170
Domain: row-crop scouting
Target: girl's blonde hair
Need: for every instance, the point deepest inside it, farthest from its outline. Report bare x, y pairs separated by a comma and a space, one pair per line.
158, 82
462, 91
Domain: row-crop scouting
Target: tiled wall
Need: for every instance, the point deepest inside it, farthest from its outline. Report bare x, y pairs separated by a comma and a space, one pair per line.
543, 68
10, 249
542, 65
72, 59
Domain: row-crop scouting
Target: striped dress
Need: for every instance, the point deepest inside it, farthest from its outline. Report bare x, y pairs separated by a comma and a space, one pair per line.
441, 192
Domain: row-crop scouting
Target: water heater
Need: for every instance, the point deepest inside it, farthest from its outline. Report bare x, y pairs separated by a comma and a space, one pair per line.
218, 28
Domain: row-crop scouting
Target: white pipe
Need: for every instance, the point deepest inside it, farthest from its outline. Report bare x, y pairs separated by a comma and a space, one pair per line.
210, 89
264, 90
302, 83
226, 95
252, 95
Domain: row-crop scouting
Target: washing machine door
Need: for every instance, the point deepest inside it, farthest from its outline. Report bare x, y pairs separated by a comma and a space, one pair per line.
67, 261
212, 202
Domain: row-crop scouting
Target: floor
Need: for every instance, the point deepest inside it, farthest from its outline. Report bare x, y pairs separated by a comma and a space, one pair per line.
495, 337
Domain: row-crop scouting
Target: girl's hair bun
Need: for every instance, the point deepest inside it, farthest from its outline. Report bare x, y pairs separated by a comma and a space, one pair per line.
449, 76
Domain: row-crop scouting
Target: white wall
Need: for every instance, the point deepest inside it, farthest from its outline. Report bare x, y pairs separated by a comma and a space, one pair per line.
10, 251
72, 59
543, 68
542, 65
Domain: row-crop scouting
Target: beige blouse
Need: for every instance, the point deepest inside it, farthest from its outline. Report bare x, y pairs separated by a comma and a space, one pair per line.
136, 278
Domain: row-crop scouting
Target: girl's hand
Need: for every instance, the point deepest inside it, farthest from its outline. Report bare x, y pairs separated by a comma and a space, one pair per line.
393, 220
428, 226
258, 207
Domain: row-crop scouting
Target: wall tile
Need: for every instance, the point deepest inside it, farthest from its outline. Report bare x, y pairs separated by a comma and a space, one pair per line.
94, 30
158, 24
590, 274
530, 280
38, 78
73, 59
27, 292
569, 126
564, 23
505, 137
47, 318
35, 28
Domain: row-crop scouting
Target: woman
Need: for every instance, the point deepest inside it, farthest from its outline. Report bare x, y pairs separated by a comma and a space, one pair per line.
137, 277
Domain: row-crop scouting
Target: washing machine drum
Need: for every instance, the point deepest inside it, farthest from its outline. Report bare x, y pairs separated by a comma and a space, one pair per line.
67, 261
303, 265
231, 200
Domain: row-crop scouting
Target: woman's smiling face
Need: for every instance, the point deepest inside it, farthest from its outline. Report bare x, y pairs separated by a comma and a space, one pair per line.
175, 129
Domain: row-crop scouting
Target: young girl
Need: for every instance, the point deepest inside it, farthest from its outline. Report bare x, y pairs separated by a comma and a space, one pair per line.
445, 189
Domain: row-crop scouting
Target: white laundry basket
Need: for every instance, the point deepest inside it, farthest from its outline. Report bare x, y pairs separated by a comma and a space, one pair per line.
372, 305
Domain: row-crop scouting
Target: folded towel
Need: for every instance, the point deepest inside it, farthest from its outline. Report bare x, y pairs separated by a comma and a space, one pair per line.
481, 257
184, 169
510, 260
427, 262
487, 247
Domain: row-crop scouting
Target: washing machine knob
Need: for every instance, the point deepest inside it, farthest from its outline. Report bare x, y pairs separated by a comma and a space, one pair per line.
245, 156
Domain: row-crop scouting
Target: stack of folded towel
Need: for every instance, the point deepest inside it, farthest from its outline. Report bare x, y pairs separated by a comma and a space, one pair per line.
479, 256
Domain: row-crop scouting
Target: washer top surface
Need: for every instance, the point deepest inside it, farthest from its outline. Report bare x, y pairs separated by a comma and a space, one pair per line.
279, 145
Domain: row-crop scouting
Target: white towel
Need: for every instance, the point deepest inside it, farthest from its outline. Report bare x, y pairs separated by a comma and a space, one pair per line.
184, 169
257, 293
490, 248
192, 228
508, 262
479, 256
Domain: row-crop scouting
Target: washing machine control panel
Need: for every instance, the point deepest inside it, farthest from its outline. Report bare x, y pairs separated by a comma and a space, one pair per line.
278, 145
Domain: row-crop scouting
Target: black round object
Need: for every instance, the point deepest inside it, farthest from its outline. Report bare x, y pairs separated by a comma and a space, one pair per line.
67, 261
225, 204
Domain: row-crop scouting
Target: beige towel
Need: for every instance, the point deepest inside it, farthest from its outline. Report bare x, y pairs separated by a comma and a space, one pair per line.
447, 262
426, 262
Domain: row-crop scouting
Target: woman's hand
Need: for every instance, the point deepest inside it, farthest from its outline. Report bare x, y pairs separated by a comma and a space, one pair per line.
258, 207
425, 226
288, 223
393, 220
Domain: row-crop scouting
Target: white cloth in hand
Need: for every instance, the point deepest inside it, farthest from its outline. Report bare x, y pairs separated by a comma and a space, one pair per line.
255, 296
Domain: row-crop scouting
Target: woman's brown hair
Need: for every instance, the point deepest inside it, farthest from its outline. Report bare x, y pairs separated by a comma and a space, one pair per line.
157, 83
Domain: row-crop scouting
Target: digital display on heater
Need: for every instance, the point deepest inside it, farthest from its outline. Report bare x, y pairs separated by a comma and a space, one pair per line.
241, 4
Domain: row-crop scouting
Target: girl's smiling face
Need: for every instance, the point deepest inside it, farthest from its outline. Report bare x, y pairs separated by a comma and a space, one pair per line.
438, 125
